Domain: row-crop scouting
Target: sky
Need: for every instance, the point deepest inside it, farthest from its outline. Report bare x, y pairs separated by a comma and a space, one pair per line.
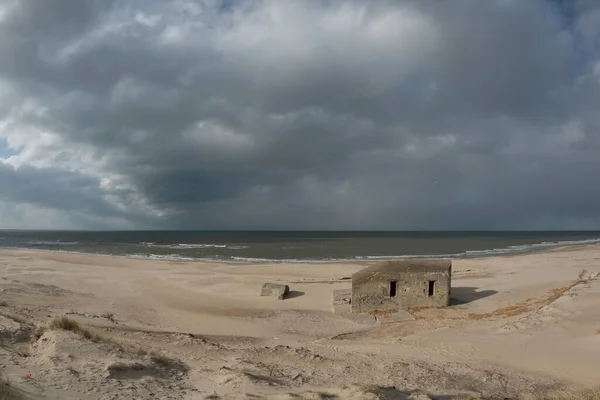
270, 114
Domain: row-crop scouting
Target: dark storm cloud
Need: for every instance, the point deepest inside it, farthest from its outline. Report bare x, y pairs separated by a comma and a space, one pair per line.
265, 114
67, 192
54, 189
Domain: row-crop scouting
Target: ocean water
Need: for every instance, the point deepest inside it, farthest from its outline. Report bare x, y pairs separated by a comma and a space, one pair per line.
292, 246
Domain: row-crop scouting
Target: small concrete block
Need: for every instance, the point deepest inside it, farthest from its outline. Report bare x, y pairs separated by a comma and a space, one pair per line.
342, 296
275, 289
341, 301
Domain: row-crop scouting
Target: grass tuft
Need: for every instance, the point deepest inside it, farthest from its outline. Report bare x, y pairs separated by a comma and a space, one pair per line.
67, 324
18, 318
109, 316
161, 359
121, 366
140, 351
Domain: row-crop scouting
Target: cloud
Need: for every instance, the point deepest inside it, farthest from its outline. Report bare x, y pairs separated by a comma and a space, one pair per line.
261, 114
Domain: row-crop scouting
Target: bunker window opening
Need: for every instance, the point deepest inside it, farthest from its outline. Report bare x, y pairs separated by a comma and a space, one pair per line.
431, 287
393, 285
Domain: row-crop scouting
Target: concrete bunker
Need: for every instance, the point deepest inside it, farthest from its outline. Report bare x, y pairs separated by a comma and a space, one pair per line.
275, 289
402, 284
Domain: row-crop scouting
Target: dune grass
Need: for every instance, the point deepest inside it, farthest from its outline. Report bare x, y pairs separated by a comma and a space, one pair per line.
17, 318
109, 316
161, 359
67, 324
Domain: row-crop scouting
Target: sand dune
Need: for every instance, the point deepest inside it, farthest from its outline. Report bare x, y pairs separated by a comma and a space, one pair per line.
180, 330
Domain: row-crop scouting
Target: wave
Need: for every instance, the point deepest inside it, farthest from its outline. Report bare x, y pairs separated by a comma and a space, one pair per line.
519, 249
329, 260
196, 246
192, 246
164, 257
50, 243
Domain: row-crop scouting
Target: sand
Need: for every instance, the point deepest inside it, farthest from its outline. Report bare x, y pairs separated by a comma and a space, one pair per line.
186, 330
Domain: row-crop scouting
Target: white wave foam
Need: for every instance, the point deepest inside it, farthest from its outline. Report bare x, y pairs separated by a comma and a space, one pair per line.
260, 260
165, 257
50, 243
150, 256
190, 245
318, 260
517, 249
198, 246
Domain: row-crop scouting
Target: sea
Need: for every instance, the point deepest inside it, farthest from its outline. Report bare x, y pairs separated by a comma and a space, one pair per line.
292, 246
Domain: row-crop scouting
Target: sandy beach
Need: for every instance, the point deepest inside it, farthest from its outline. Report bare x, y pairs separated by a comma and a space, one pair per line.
187, 330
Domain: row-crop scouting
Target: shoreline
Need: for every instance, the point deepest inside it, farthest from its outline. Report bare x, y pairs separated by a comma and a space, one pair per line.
534, 248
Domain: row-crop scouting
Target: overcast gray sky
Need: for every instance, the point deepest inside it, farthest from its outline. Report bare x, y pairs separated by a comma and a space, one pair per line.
271, 114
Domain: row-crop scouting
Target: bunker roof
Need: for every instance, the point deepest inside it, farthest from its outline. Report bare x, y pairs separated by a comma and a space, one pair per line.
409, 266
